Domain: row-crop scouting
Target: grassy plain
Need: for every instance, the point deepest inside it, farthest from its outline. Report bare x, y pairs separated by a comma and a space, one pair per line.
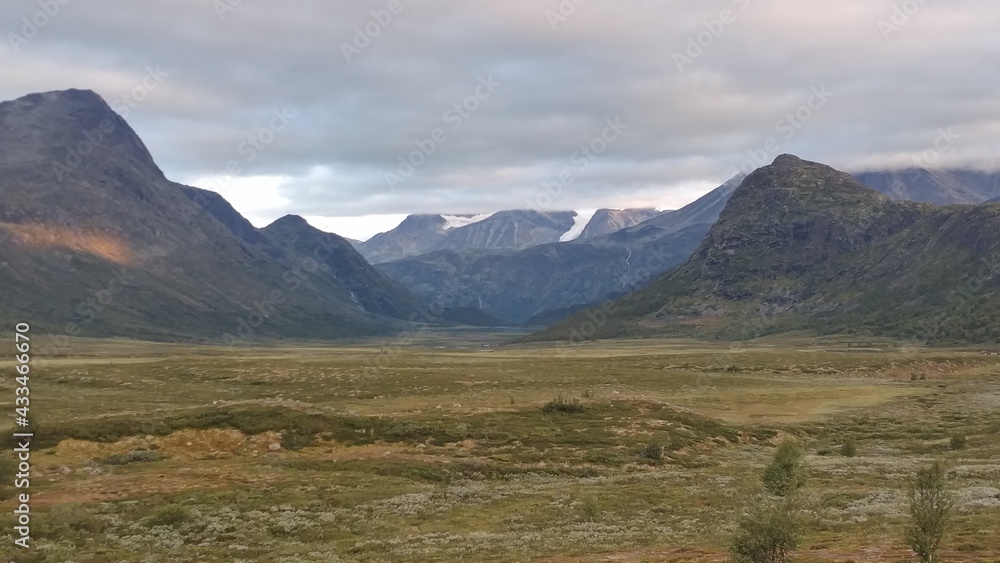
152, 452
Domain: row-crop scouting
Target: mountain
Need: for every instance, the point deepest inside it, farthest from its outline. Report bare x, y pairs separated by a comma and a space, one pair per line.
509, 230
702, 213
420, 234
942, 187
607, 221
217, 206
358, 281
801, 246
417, 234
97, 242
558, 278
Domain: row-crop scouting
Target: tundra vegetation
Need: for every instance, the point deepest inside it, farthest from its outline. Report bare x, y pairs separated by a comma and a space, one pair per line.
623, 450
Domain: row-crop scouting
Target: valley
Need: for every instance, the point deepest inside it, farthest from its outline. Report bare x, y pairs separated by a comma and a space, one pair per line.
512, 282
300, 452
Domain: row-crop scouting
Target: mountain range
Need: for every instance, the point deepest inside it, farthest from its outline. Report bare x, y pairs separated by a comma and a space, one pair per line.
544, 282
517, 229
97, 242
801, 246
504, 230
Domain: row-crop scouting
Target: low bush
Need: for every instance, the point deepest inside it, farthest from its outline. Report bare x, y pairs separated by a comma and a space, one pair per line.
766, 534
653, 450
563, 405
958, 442
849, 448
170, 515
67, 520
591, 510
134, 456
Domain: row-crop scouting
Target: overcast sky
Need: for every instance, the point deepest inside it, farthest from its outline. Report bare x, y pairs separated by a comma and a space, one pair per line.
672, 98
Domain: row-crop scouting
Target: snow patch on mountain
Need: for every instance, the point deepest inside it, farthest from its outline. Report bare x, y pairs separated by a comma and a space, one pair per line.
457, 221
579, 224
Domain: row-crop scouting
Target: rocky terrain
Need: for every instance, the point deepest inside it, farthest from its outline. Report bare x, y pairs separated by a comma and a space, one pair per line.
97, 242
801, 246
545, 282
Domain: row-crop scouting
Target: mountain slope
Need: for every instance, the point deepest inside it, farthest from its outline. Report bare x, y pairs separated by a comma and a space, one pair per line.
509, 230
803, 246
420, 234
607, 221
97, 242
517, 285
703, 211
417, 234
331, 255
224, 212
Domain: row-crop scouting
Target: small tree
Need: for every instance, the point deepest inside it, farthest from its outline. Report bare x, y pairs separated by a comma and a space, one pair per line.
930, 505
787, 471
766, 534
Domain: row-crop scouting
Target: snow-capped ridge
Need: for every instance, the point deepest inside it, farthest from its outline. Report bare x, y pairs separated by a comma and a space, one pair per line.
580, 223
457, 221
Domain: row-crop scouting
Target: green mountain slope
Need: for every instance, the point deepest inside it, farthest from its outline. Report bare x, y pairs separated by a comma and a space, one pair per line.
803, 246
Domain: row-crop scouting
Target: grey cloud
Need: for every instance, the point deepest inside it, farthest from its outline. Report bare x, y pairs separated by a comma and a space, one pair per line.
686, 128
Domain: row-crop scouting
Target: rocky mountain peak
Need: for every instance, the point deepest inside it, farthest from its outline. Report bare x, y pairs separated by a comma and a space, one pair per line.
68, 130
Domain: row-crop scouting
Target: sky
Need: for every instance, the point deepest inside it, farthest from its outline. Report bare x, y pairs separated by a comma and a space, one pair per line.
355, 114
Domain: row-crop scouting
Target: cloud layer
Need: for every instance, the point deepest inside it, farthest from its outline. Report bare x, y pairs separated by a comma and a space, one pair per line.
398, 106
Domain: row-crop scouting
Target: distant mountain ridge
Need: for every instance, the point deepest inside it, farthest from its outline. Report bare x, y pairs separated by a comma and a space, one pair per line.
545, 281
607, 221
422, 234
941, 187
504, 230
801, 246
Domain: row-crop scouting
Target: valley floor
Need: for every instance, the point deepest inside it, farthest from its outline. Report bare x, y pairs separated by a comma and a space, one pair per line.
442, 450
